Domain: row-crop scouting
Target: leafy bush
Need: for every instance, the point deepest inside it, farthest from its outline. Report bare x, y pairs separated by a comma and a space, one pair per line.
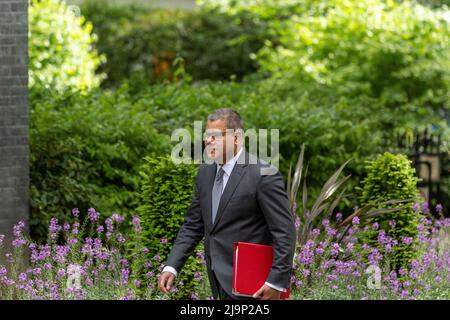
391, 177
148, 39
61, 53
396, 52
86, 151
213, 44
165, 196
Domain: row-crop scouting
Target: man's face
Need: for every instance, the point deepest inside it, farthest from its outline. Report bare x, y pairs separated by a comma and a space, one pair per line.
219, 144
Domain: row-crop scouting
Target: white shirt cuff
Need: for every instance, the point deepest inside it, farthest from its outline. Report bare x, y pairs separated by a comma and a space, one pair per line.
275, 287
171, 270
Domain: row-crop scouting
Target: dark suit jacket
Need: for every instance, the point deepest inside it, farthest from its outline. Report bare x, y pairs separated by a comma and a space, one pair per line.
253, 208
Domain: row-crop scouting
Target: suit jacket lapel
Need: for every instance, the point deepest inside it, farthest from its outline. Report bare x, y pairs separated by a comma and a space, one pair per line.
233, 181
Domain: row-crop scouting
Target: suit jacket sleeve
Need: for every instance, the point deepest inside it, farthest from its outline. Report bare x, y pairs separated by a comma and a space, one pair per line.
190, 234
274, 203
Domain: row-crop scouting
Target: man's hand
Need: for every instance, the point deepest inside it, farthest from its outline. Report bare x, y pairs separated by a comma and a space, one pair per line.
267, 293
165, 281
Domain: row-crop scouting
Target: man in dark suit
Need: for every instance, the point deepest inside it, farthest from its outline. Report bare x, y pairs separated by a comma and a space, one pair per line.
236, 199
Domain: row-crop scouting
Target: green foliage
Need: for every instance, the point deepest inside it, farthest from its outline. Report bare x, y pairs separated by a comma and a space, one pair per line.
166, 194
135, 39
334, 129
85, 151
396, 52
61, 53
391, 177
214, 44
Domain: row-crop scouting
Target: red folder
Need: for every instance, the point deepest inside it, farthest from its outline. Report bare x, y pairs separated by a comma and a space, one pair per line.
251, 267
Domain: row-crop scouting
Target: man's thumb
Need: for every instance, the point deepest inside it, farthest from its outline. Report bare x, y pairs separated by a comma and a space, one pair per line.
169, 282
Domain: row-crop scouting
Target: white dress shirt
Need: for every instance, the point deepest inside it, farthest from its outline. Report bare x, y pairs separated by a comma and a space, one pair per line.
227, 168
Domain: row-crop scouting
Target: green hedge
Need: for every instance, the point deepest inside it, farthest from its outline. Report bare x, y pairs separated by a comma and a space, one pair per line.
136, 39
391, 177
396, 52
166, 194
85, 151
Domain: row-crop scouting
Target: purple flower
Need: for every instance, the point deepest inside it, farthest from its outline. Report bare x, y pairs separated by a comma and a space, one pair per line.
61, 273
149, 274
145, 250
416, 206
137, 283
198, 275
125, 273
339, 216
194, 296
18, 229
375, 226
137, 225
315, 232
439, 208
117, 218
355, 220
306, 254
349, 246
297, 222
425, 207
157, 257
109, 225
18, 242
75, 227
404, 294
163, 241
100, 229
36, 271
382, 238
93, 215
54, 228
334, 249
319, 251
415, 264
124, 262
392, 223
23, 277
75, 212
330, 231
374, 257
407, 240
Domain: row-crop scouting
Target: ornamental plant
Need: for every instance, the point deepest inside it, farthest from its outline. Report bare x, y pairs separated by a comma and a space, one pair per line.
81, 259
61, 48
328, 267
166, 193
391, 176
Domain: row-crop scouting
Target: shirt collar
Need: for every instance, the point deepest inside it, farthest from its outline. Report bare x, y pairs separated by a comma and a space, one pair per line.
228, 167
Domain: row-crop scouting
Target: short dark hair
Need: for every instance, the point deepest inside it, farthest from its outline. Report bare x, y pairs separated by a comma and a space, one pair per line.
232, 118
